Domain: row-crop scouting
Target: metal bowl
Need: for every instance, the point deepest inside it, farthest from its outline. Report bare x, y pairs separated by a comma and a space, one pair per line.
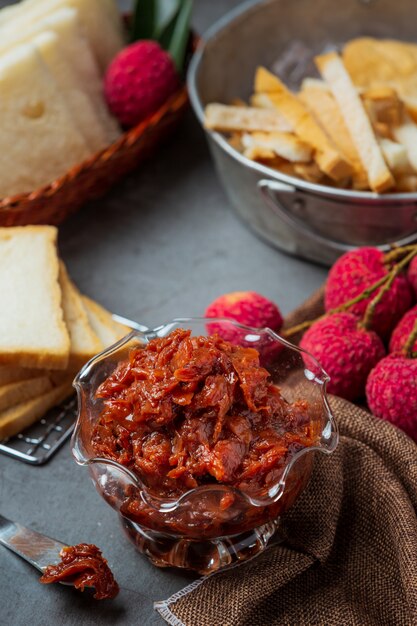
313, 221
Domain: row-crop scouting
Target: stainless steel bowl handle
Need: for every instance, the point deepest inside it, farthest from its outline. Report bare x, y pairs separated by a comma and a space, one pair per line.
271, 191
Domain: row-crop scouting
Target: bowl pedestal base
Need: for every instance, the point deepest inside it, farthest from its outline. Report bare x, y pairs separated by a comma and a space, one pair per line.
204, 557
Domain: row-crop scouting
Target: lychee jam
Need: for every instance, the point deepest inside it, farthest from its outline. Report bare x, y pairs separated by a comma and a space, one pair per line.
186, 412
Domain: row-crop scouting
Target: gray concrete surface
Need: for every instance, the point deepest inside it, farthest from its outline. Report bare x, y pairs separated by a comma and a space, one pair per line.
164, 243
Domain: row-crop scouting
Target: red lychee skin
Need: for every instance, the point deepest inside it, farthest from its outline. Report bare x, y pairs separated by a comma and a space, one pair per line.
353, 273
248, 308
346, 352
391, 392
138, 81
412, 275
403, 331
251, 309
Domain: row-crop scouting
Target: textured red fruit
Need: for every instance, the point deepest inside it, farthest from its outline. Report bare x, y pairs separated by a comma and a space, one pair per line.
353, 273
412, 275
251, 309
391, 392
138, 81
247, 307
346, 351
403, 331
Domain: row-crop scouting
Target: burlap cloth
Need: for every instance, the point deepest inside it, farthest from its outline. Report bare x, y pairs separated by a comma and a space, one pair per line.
349, 554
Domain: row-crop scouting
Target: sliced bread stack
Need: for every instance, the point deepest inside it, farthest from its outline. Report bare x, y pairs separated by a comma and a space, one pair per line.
53, 54
48, 330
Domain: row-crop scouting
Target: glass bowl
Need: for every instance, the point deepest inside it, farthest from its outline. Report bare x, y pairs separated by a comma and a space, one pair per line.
211, 526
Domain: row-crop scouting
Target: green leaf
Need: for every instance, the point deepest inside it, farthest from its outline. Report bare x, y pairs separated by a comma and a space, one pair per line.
144, 20
181, 33
166, 11
167, 31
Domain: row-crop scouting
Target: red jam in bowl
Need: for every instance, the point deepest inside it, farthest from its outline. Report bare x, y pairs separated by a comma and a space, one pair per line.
186, 412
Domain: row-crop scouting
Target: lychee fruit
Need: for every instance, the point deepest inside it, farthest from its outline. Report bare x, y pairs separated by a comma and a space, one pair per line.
353, 273
403, 331
138, 81
412, 275
345, 350
391, 392
251, 309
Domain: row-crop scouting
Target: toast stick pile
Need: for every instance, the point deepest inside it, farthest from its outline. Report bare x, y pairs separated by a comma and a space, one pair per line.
354, 128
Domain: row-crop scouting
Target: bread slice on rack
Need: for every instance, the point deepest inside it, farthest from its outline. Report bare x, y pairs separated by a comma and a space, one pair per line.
84, 343
32, 328
103, 324
18, 392
23, 415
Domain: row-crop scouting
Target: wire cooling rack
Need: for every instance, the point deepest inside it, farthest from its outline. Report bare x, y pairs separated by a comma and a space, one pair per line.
38, 443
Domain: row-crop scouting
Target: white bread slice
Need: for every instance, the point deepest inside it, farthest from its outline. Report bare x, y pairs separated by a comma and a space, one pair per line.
323, 106
21, 416
16, 374
19, 392
84, 342
285, 145
223, 118
104, 34
38, 137
32, 329
330, 161
334, 72
79, 104
103, 324
75, 47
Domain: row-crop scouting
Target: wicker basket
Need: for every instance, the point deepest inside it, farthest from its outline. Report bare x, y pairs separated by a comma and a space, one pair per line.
93, 177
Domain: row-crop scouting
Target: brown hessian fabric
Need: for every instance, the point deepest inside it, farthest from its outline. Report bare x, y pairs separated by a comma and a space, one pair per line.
349, 549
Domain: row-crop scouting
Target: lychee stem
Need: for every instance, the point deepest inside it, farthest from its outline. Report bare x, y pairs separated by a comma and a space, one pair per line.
370, 309
397, 253
290, 332
408, 348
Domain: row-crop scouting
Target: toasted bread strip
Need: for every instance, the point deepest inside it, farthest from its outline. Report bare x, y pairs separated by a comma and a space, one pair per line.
406, 183
84, 342
103, 324
227, 119
16, 393
333, 71
324, 107
406, 134
383, 105
305, 126
32, 329
21, 416
262, 101
284, 145
382, 62
396, 156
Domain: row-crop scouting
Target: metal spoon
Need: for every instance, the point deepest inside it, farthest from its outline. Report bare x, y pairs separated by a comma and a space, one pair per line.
36, 549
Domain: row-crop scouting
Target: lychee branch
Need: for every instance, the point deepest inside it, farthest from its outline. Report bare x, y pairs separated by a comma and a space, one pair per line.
386, 282
397, 253
396, 270
408, 348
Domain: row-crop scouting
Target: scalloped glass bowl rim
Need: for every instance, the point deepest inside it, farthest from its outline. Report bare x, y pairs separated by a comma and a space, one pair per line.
329, 431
